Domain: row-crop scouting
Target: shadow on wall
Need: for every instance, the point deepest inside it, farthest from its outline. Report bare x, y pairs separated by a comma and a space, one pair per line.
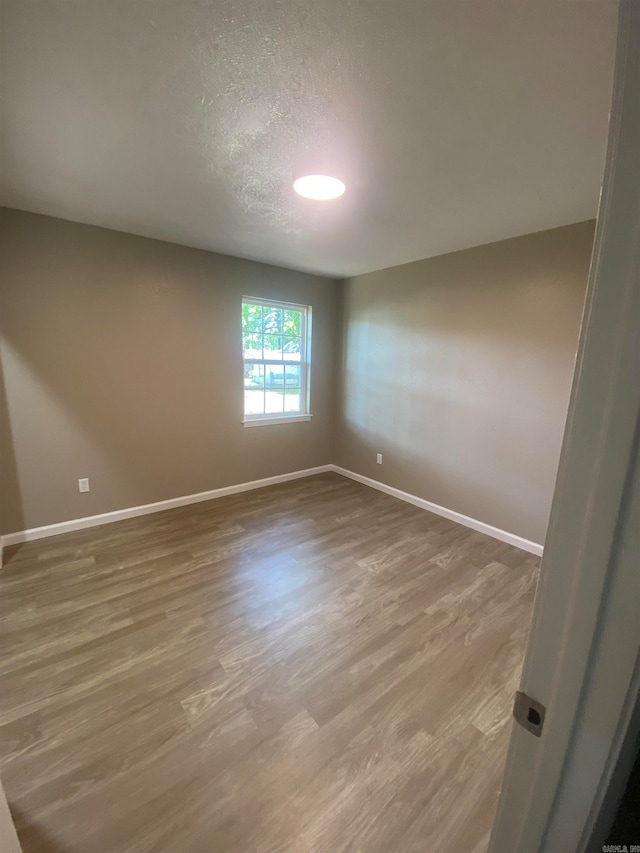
451, 408
10, 498
458, 370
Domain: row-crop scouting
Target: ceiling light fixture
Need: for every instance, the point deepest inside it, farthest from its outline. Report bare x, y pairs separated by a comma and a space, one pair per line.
319, 187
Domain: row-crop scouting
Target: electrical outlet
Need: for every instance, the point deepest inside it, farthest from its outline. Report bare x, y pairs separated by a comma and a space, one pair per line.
83, 484
379, 458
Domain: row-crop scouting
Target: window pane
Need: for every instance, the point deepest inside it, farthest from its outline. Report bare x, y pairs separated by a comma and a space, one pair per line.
292, 324
291, 349
292, 400
251, 319
274, 376
254, 377
273, 346
292, 376
252, 345
272, 321
274, 402
253, 389
254, 402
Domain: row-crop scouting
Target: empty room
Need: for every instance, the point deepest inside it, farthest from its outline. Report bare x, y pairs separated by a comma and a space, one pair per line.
290, 304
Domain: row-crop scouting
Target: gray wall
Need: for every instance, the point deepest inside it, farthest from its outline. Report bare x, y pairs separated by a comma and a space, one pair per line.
121, 362
458, 370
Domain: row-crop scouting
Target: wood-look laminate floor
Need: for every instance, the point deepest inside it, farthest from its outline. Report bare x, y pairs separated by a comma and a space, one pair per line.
314, 666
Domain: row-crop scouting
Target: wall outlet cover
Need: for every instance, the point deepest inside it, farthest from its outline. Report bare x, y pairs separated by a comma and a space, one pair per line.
83, 484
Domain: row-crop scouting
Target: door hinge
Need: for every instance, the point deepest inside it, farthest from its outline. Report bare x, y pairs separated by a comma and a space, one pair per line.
529, 713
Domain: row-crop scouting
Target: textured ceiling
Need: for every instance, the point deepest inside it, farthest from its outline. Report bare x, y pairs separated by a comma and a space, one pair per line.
452, 123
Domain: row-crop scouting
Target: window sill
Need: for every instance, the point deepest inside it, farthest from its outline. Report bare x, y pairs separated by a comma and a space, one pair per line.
292, 419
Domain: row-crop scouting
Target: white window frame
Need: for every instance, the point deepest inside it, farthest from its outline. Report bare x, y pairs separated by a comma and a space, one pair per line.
262, 419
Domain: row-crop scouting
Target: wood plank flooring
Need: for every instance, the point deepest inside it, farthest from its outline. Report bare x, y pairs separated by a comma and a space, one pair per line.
314, 666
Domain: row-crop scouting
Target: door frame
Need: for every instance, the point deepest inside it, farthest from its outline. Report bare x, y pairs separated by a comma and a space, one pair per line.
582, 660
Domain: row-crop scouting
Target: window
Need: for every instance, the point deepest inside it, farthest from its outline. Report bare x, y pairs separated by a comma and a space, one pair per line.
276, 344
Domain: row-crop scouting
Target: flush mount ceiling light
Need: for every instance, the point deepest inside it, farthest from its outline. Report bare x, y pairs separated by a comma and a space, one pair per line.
319, 187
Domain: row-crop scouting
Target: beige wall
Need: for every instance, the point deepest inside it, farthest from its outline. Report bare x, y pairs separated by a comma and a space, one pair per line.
121, 362
458, 369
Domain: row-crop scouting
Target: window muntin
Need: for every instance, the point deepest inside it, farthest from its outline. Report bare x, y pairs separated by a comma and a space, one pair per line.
276, 349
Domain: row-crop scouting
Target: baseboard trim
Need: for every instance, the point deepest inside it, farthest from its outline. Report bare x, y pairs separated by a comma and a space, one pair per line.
146, 509
452, 515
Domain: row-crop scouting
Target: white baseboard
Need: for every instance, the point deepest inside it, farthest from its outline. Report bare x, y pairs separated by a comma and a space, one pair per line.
133, 511
451, 514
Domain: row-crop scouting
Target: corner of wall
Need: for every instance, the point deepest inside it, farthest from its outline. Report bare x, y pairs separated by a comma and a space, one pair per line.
338, 367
